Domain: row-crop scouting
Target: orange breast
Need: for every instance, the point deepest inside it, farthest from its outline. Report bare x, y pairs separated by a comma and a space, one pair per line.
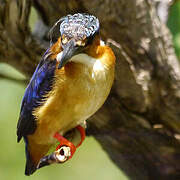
79, 91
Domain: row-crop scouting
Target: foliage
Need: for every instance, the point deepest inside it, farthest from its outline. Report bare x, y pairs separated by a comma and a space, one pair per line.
174, 25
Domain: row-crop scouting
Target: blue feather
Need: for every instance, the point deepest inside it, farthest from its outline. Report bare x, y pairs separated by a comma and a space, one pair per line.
40, 84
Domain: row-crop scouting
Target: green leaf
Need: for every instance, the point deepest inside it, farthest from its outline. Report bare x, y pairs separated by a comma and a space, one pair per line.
174, 25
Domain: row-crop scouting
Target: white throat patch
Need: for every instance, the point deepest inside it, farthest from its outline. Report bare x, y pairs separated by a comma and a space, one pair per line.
98, 68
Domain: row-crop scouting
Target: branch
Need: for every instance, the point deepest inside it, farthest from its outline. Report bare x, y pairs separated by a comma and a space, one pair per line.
17, 46
163, 8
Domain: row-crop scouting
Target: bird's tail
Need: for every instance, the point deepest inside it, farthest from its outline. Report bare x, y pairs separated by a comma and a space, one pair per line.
30, 166
34, 153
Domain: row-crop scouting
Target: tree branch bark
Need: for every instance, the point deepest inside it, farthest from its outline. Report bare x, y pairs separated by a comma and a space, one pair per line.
139, 124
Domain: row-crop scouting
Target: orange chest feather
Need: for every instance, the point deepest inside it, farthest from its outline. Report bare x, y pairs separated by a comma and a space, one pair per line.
78, 92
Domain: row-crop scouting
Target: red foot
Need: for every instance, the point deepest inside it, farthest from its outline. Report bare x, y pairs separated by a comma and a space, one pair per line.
83, 134
64, 142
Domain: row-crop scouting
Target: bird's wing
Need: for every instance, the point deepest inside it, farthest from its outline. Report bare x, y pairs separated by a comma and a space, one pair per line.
40, 84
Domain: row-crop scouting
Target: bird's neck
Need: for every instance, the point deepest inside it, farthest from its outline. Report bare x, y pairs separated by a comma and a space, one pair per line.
97, 51
103, 56
93, 49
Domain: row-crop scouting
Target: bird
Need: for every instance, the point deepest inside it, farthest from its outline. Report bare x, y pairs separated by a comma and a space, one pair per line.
71, 82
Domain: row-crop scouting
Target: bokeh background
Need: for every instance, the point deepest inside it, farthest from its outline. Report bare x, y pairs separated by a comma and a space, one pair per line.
90, 161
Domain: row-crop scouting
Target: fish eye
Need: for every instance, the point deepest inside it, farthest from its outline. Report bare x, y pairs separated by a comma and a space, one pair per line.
63, 154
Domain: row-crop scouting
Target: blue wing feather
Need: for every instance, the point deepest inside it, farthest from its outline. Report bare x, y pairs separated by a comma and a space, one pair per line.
40, 84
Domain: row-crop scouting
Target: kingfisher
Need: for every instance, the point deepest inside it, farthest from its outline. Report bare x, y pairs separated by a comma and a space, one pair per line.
70, 83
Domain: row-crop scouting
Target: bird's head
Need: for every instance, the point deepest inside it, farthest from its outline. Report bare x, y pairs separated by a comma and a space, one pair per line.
77, 33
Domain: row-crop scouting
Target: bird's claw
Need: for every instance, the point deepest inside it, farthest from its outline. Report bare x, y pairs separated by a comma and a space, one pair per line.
64, 150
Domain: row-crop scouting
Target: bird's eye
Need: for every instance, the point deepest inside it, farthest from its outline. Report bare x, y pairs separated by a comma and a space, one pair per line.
64, 40
63, 154
81, 43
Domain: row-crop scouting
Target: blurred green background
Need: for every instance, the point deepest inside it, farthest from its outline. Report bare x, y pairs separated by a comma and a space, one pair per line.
90, 161
174, 25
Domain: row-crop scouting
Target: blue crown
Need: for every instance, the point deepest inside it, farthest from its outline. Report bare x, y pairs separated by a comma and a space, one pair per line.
79, 26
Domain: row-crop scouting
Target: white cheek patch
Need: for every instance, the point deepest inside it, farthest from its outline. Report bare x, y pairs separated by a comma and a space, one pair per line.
59, 56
